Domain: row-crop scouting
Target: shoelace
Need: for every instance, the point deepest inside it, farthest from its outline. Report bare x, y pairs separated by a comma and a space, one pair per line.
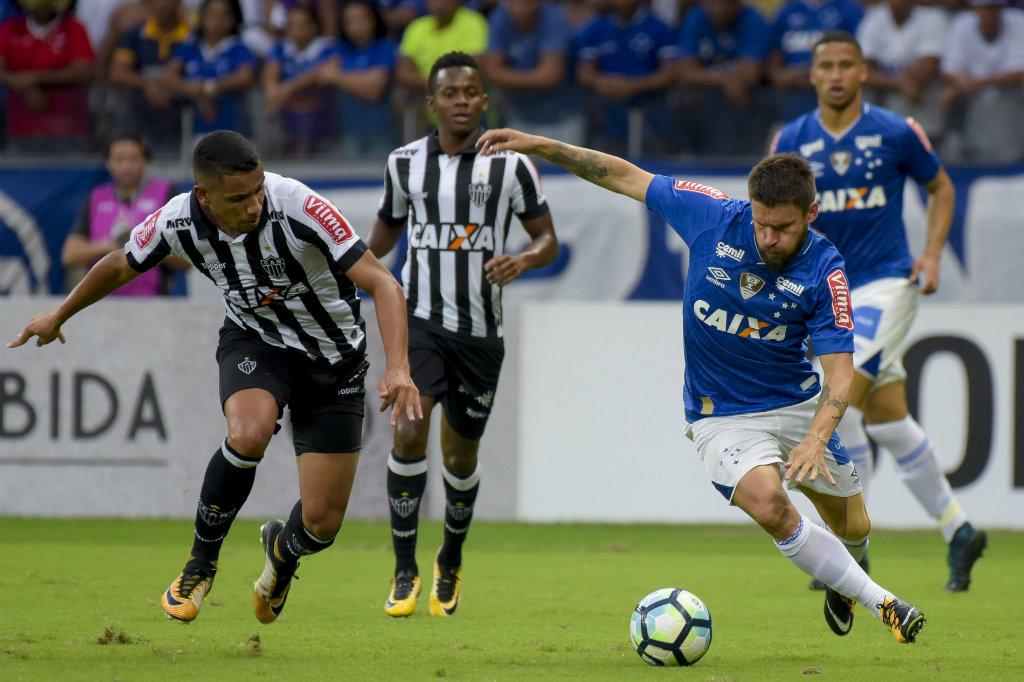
446, 586
403, 587
889, 615
190, 581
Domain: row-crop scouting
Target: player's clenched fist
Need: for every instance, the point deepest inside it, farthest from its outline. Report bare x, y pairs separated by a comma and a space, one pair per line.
397, 389
44, 326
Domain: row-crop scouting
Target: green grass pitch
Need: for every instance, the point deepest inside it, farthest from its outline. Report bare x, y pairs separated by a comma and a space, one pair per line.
79, 601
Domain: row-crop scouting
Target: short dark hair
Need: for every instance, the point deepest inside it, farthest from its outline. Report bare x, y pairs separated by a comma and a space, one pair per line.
449, 60
837, 37
132, 137
236, 9
380, 28
224, 152
782, 179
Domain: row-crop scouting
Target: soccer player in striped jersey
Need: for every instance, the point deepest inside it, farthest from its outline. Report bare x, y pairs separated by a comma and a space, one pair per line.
457, 206
760, 284
288, 264
862, 156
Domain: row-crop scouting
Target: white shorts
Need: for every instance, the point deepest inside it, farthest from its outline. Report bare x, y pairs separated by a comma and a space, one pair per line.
883, 311
733, 445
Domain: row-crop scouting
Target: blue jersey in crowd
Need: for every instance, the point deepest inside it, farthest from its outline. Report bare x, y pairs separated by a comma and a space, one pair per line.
633, 48
799, 24
860, 177
745, 324
202, 63
295, 62
744, 39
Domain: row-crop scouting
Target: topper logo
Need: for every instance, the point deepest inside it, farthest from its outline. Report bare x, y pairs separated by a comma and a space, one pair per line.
328, 218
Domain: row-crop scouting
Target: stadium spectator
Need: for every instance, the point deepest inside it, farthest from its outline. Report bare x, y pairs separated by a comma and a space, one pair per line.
793, 32
291, 83
111, 211
361, 70
983, 71
722, 47
214, 70
903, 42
397, 14
448, 27
626, 61
137, 68
46, 62
528, 50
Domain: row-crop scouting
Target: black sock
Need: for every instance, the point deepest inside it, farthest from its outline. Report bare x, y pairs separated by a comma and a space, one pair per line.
460, 496
406, 481
226, 486
297, 541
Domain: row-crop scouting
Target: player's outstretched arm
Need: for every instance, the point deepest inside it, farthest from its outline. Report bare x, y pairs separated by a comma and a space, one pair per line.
808, 457
396, 387
108, 274
602, 169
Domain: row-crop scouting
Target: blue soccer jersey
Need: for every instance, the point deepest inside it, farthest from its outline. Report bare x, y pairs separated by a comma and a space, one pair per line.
860, 177
745, 324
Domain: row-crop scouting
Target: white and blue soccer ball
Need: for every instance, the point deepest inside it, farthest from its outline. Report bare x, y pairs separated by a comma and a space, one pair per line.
670, 626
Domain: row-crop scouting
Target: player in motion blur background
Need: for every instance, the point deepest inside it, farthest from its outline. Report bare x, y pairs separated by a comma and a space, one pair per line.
288, 265
458, 206
862, 156
760, 283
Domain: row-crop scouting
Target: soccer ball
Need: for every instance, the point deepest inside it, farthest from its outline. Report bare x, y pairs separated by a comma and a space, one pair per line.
671, 627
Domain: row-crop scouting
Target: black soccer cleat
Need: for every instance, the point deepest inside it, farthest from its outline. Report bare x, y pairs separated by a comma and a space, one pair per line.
904, 619
839, 612
271, 589
965, 548
819, 586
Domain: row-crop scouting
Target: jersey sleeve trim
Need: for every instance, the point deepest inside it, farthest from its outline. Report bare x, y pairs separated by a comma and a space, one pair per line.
535, 212
349, 258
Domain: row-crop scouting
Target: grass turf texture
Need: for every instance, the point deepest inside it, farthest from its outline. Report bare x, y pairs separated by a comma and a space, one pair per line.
80, 602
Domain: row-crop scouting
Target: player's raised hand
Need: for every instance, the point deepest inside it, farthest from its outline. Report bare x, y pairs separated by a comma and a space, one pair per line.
928, 266
808, 459
44, 326
507, 140
397, 389
502, 270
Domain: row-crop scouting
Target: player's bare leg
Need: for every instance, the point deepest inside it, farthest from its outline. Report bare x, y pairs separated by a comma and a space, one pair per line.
461, 484
407, 478
251, 418
890, 425
325, 484
817, 552
848, 519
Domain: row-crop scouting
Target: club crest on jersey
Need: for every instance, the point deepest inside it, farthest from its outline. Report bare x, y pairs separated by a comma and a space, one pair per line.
479, 193
145, 235
274, 266
840, 161
750, 284
247, 366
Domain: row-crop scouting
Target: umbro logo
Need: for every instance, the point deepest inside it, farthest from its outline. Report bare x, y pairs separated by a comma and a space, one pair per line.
717, 276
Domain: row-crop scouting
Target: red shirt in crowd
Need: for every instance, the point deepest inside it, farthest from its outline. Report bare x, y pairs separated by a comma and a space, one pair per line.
67, 108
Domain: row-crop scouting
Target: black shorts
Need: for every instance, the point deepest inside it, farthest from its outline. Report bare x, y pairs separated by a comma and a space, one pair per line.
460, 374
326, 400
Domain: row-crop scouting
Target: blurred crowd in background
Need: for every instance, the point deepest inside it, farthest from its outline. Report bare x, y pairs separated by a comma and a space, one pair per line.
346, 78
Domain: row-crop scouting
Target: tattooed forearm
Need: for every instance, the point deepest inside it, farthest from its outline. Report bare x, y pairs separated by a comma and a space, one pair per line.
823, 398
583, 162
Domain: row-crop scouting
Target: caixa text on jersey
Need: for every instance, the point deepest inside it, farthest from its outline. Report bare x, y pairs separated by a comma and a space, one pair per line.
452, 237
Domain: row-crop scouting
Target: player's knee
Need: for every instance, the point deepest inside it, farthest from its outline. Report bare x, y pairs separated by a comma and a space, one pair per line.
250, 438
411, 438
460, 464
322, 520
857, 526
775, 513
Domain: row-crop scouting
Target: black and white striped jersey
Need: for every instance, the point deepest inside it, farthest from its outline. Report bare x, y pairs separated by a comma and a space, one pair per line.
457, 209
285, 280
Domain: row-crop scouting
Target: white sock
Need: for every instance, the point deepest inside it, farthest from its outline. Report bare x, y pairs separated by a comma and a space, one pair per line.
856, 548
821, 555
851, 432
920, 470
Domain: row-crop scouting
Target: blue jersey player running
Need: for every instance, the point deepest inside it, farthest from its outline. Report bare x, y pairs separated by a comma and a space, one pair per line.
760, 283
862, 156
